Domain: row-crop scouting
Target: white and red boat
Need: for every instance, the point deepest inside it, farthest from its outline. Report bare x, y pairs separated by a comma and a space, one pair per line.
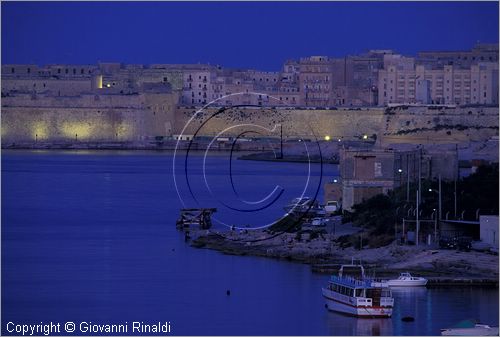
352, 293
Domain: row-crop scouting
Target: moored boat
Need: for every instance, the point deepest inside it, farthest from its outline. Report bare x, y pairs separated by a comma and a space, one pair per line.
406, 280
470, 328
352, 293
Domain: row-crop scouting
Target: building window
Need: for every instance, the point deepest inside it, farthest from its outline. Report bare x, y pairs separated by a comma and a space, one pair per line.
81, 71
66, 71
29, 70
12, 70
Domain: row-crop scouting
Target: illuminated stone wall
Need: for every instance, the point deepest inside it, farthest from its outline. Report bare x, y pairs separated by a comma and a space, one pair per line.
341, 123
421, 125
29, 118
418, 125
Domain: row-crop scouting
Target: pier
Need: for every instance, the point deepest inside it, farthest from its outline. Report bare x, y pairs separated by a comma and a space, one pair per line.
202, 217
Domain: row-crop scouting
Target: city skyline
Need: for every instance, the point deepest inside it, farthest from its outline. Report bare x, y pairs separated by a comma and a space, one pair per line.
172, 32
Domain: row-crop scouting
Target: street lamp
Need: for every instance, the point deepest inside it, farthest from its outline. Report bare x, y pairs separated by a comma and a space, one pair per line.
435, 224
439, 198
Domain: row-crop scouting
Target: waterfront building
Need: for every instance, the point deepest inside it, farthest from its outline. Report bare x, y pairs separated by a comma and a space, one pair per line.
418, 81
374, 78
481, 52
315, 81
488, 230
368, 172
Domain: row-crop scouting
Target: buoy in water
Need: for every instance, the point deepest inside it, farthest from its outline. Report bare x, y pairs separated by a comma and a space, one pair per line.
228, 292
407, 319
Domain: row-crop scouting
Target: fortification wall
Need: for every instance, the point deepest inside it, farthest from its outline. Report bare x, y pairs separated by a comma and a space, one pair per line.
341, 123
86, 118
418, 125
133, 117
424, 125
58, 87
22, 124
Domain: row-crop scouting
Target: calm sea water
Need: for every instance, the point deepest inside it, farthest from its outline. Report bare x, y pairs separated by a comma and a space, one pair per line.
90, 236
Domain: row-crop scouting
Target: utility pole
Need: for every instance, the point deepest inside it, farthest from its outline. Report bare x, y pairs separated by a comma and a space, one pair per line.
396, 225
404, 236
440, 216
407, 177
455, 195
281, 141
435, 228
418, 223
419, 169
456, 178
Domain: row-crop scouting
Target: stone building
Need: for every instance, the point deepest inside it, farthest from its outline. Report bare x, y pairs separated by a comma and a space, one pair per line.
479, 53
403, 82
374, 78
315, 81
366, 173
488, 230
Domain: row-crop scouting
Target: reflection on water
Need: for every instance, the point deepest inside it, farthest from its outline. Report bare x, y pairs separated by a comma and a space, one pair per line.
373, 327
343, 324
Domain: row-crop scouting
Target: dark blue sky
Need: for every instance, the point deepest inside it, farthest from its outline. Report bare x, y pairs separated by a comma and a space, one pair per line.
235, 34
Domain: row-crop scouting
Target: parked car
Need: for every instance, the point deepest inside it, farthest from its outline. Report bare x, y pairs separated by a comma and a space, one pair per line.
457, 242
447, 243
331, 206
464, 243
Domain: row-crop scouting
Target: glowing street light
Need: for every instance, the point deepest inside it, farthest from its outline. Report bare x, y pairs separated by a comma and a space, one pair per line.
327, 138
365, 137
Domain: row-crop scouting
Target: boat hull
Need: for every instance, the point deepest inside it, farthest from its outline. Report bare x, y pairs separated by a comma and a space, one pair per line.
477, 331
407, 283
353, 310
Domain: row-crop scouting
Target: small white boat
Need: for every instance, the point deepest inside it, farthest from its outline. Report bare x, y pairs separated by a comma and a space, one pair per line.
470, 328
406, 280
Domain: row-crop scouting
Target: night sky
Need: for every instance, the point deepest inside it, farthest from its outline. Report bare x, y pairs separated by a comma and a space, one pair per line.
259, 35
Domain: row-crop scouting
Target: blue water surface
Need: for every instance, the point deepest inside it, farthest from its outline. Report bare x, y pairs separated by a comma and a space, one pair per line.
90, 237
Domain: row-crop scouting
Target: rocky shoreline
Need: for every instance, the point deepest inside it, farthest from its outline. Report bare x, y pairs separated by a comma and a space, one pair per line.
441, 267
